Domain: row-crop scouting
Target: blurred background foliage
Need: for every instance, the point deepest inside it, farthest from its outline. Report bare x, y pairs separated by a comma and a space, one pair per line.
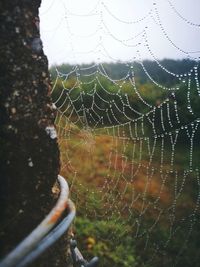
113, 238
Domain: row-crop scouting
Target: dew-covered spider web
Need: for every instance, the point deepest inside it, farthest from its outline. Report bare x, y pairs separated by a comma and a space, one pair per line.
128, 127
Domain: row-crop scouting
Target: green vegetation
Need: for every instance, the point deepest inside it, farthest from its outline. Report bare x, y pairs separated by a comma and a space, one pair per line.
110, 237
96, 87
104, 177
111, 252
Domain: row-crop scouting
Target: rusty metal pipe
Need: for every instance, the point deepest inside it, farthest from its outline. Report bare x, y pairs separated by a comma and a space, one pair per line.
52, 237
32, 240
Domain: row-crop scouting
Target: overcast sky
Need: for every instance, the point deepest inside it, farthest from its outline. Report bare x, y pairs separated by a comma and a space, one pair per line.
77, 31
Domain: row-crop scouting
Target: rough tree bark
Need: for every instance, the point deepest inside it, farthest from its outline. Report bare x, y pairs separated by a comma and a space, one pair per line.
29, 154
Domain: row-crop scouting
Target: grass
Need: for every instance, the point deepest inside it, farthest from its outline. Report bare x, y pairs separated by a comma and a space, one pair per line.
123, 203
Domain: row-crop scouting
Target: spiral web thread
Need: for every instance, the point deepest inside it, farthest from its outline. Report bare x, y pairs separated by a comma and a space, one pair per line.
150, 178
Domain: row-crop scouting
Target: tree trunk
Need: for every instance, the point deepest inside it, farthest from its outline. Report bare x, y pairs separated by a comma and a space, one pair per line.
29, 154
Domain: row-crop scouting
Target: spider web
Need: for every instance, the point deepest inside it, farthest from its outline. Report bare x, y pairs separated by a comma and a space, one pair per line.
129, 158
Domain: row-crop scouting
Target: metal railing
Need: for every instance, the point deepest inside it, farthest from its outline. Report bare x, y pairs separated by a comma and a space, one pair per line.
78, 260
48, 232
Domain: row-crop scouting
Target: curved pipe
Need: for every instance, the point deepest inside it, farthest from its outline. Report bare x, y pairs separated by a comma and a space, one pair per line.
52, 237
28, 245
